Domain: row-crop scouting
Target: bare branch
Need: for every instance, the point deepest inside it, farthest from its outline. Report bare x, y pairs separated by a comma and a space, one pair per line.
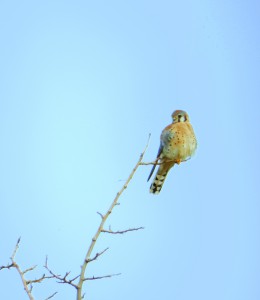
121, 231
21, 273
103, 220
28, 284
61, 279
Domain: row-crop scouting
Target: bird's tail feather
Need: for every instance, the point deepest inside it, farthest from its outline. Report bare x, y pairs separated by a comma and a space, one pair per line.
157, 183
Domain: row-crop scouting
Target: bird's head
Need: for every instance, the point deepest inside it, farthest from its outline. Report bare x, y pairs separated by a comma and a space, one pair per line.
180, 116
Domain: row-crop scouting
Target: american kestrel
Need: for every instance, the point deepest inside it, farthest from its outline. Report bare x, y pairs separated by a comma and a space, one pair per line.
178, 144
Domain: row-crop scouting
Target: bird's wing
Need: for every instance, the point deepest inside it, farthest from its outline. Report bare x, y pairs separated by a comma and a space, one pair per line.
157, 157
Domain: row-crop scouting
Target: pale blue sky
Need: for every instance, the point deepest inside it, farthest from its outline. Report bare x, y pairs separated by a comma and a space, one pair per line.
82, 85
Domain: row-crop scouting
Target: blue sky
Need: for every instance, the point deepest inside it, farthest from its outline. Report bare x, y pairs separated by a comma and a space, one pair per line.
82, 85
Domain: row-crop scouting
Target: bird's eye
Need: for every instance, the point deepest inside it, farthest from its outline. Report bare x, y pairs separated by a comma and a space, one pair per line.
181, 118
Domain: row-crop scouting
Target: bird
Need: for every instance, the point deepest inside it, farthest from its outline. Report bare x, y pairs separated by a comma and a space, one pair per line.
178, 143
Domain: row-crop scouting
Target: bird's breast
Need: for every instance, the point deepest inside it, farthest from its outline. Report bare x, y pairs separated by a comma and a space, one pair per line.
179, 142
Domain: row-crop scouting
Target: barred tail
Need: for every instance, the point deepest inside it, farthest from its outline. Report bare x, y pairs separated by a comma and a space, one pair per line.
157, 183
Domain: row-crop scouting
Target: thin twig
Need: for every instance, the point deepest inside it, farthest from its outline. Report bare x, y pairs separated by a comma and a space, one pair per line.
103, 220
101, 216
39, 280
97, 255
156, 162
121, 231
7, 266
51, 296
15, 249
101, 277
29, 269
